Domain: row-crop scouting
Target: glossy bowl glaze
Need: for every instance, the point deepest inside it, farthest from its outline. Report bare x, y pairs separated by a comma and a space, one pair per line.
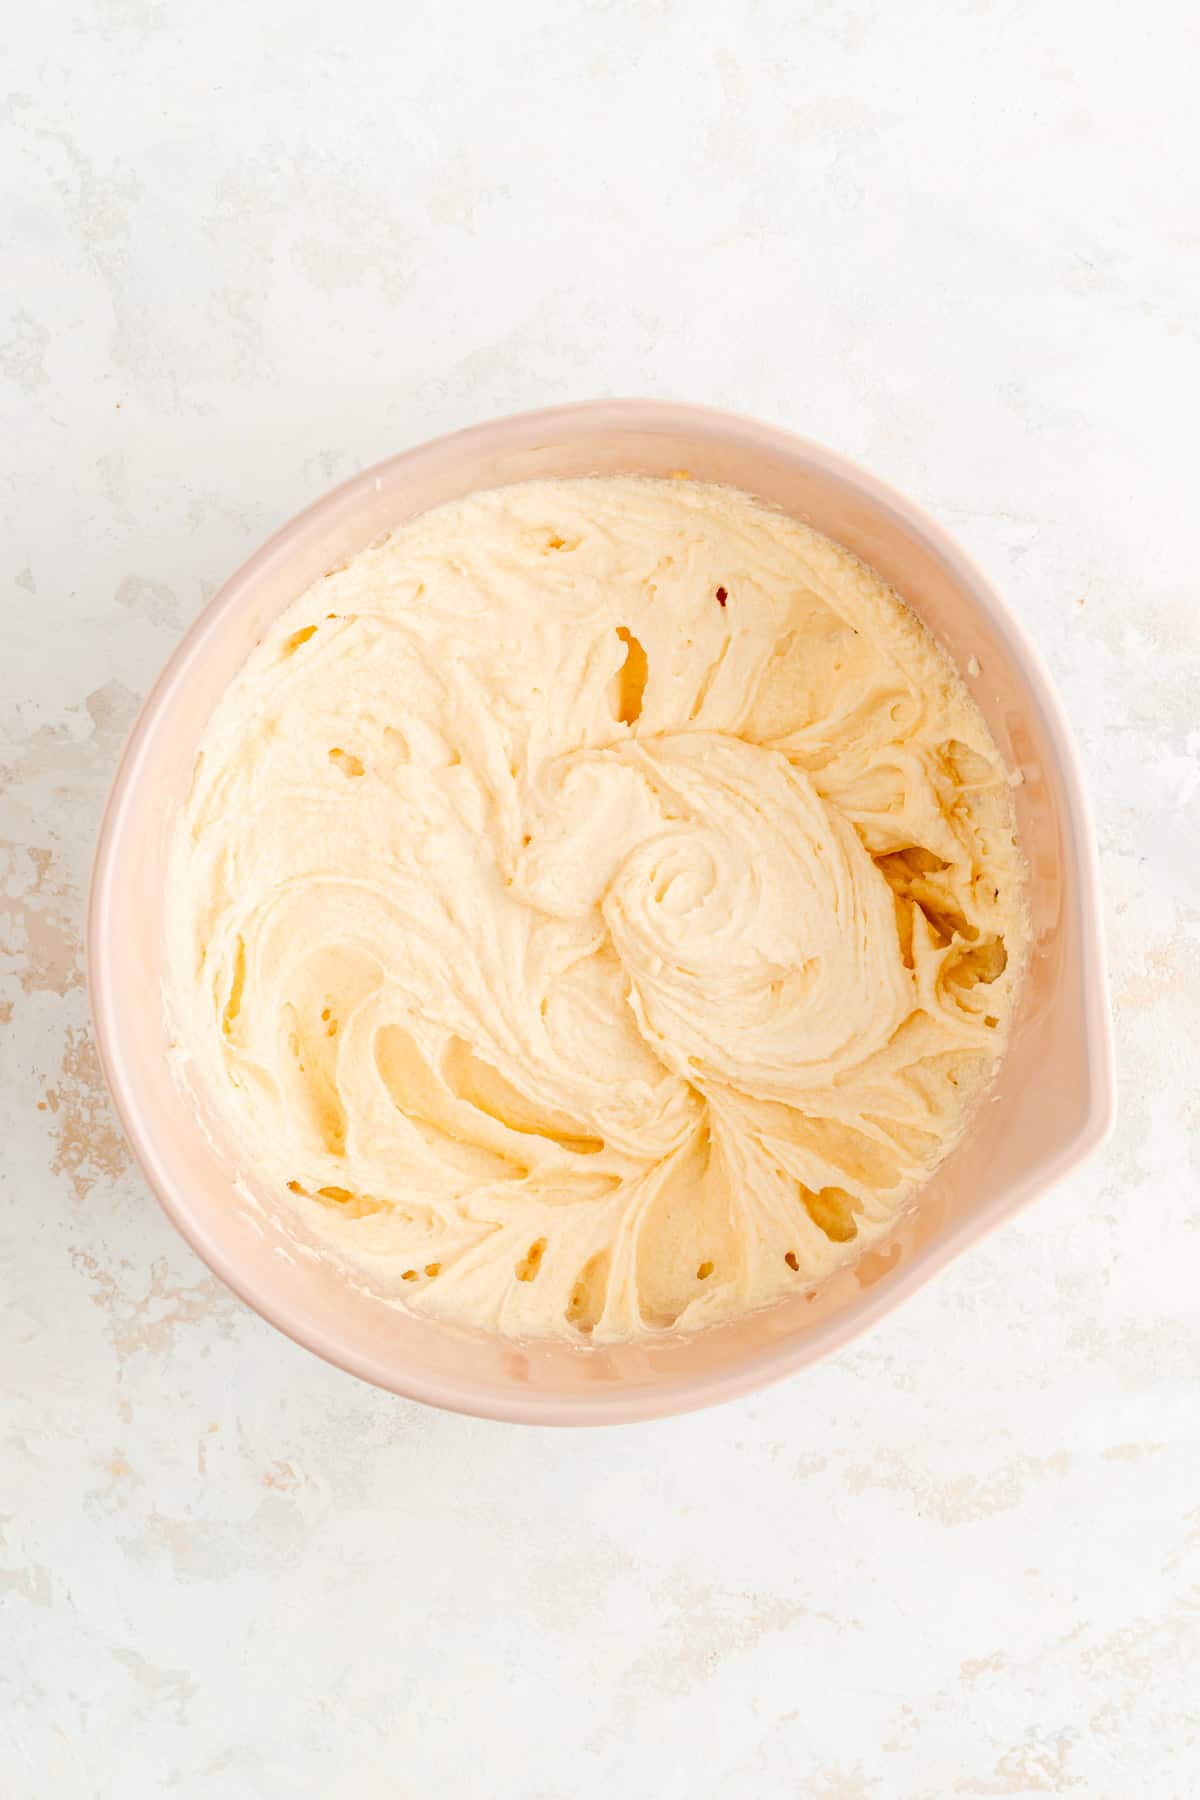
1051, 1103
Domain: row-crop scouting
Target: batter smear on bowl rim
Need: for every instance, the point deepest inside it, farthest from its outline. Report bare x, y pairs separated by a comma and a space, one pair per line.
596, 909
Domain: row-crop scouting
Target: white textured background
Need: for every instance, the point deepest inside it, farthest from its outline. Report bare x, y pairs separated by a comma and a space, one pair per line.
250, 247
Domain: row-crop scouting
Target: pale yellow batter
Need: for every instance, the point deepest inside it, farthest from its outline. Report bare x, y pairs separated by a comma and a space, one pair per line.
596, 908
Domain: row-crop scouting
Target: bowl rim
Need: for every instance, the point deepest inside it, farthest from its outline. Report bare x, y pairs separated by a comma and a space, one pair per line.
785, 1356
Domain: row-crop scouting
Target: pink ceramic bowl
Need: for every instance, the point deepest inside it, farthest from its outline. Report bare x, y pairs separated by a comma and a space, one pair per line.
1052, 1101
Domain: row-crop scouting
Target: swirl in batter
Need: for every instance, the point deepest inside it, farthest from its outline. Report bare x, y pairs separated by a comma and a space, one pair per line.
596, 907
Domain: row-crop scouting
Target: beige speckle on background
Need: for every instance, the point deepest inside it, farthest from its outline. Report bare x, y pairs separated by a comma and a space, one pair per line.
249, 250
88, 1144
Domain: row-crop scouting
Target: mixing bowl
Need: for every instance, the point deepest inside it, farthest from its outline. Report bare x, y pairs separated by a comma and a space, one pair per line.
1051, 1102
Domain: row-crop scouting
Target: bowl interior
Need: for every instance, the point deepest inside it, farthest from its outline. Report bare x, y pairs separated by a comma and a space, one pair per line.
1049, 1102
